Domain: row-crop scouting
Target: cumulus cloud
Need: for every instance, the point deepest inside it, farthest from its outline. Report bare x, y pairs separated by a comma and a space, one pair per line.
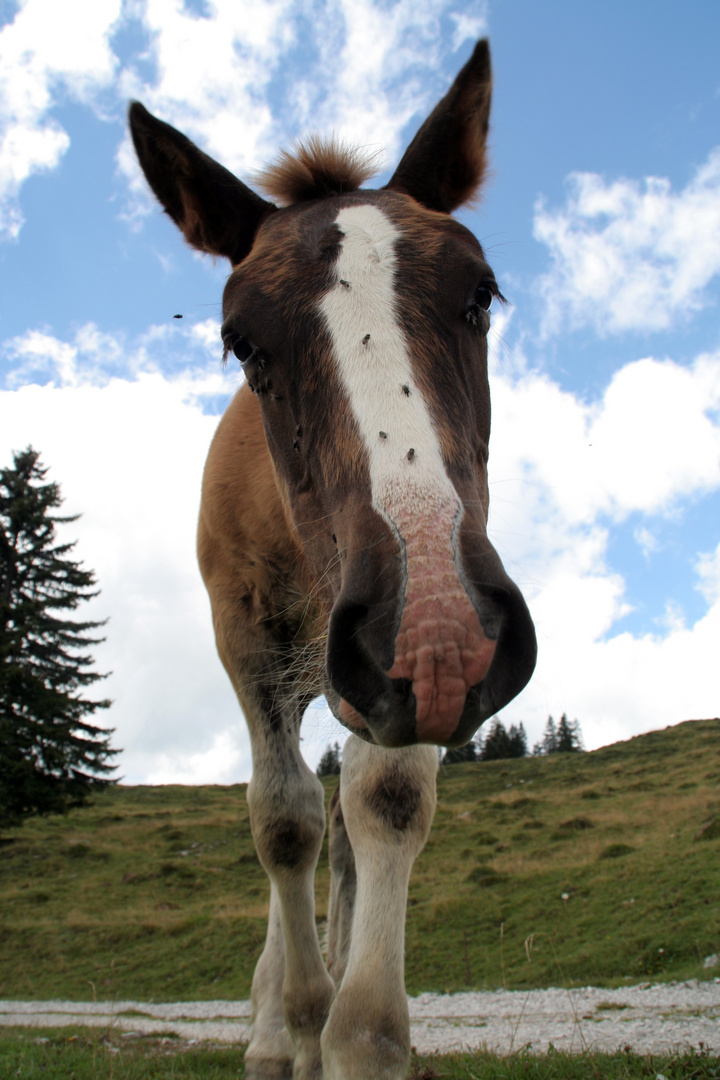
612, 456
128, 452
562, 471
219, 76
221, 79
93, 357
127, 444
50, 51
209, 74
381, 67
629, 255
708, 571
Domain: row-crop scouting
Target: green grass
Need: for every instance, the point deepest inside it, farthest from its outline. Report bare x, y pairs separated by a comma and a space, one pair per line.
598, 868
104, 1055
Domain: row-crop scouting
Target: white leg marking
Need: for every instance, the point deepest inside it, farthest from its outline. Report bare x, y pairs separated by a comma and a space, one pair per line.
388, 802
270, 1052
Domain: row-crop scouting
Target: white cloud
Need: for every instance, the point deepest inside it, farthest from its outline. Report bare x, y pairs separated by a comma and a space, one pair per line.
376, 66
48, 51
381, 67
646, 541
708, 570
562, 472
128, 454
653, 439
469, 27
219, 77
630, 256
222, 763
619, 685
128, 447
210, 75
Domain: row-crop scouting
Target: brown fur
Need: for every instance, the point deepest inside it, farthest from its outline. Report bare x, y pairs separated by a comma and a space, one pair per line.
307, 578
317, 168
445, 164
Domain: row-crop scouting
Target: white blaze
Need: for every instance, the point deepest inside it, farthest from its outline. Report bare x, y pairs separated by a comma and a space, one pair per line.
407, 473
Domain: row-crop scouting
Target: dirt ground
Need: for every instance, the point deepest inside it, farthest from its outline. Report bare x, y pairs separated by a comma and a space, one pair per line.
650, 1019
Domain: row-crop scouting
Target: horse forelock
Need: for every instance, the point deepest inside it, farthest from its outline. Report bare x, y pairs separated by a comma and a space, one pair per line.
315, 169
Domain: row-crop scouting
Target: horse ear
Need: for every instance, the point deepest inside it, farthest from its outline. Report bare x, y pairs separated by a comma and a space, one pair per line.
444, 165
214, 210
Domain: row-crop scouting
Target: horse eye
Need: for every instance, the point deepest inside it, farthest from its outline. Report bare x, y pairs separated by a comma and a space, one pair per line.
240, 348
481, 300
483, 297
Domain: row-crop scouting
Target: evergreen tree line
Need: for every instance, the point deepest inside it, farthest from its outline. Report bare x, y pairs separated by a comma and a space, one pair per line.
561, 738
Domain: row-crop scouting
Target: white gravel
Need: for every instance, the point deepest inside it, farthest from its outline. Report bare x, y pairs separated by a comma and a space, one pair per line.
650, 1019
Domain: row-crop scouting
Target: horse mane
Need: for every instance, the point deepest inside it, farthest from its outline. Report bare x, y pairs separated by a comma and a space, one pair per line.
316, 168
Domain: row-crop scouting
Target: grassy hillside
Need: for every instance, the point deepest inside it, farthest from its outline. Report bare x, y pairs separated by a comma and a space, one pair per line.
590, 868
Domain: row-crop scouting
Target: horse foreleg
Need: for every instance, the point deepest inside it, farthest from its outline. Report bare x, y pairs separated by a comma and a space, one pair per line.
271, 1052
343, 887
287, 816
388, 802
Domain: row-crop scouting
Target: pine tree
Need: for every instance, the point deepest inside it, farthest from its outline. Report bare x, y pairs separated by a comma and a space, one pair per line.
500, 743
568, 736
517, 739
50, 757
496, 744
563, 739
329, 764
548, 745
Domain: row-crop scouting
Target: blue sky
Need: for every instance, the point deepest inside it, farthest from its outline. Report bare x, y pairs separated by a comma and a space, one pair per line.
601, 221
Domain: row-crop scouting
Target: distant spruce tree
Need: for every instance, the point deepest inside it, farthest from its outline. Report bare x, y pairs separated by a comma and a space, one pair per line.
569, 738
330, 762
518, 741
500, 743
496, 744
50, 756
548, 743
563, 739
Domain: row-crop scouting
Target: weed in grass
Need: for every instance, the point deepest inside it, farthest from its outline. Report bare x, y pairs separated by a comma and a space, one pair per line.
616, 851
578, 824
709, 831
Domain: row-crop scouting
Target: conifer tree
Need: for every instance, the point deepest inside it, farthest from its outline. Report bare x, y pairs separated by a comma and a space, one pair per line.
563, 739
568, 736
330, 762
500, 743
496, 744
50, 756
517, 738
549, 740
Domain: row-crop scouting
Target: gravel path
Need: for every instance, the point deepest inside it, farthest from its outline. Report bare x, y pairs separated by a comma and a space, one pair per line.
650, 1019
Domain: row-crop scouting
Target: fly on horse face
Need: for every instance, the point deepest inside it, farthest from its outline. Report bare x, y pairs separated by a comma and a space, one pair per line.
343, 542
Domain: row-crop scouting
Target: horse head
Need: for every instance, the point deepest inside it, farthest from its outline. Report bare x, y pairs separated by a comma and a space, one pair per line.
360, 320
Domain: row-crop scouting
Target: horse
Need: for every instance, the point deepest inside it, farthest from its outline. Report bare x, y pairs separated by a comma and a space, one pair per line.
343, 541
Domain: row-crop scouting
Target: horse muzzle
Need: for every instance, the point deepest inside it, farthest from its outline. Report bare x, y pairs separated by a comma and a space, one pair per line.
435, 670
